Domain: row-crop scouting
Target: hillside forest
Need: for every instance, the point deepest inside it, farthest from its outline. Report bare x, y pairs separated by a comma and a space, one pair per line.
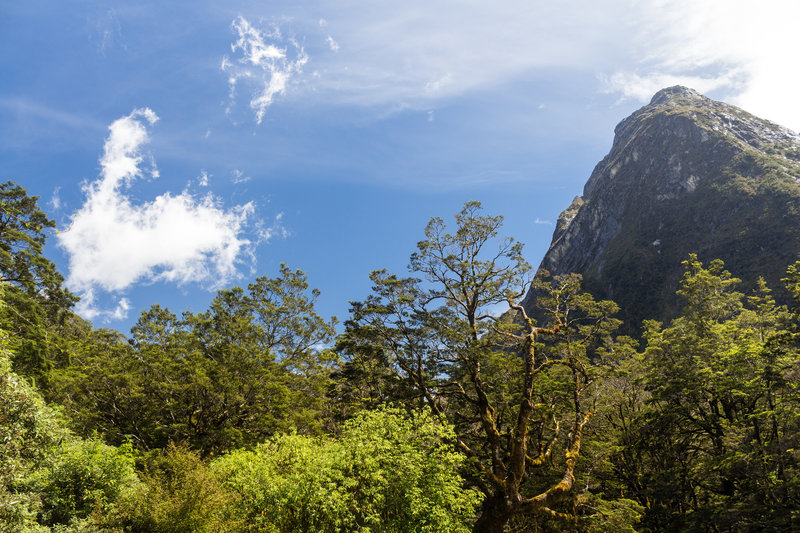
440, 404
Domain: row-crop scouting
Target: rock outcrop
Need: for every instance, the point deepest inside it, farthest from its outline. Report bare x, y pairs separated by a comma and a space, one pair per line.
685, 174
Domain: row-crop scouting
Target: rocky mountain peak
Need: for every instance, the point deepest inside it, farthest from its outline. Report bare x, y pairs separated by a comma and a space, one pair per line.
685, 174
675, 92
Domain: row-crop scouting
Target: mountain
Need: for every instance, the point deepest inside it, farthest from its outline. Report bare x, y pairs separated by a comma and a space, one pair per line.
685, 174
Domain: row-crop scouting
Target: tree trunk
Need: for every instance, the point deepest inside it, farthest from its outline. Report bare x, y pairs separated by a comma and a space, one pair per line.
494, 516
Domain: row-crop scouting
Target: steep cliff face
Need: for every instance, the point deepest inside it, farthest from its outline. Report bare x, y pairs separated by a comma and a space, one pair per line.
685, 174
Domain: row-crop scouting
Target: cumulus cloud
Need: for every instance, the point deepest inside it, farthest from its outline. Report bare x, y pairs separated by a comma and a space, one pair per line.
265, 62
114, 242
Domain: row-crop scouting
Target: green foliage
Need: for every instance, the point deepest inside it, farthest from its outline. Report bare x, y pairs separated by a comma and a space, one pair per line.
743, 210
252, 365
178, 494
518, 394
609, 516
83, 477
386, 472
562, 426
47, 476
35, 300
28, 432
712, 447
22, 236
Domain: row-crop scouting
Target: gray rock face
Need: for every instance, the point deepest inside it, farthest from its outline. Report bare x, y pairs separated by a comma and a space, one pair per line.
685, 174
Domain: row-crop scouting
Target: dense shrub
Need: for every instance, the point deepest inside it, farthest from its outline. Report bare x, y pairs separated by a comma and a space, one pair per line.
178, 494
29, 431
387, 472
84, 477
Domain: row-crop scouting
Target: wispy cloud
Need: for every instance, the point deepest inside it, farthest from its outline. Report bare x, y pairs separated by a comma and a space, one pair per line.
415, 54
539, 221
121, 311
36, 110
55, 200
202, 179
239, 177
107, 31
265, 62
737, 48
114, 242
333, 45
406, 55
642, 87
276, 230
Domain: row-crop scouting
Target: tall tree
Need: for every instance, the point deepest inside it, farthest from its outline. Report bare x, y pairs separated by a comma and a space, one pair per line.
253, 364
23, 233
519, 394
711, 447
36, 301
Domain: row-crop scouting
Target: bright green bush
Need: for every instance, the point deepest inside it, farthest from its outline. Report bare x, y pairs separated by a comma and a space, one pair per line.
49, 477
29, 430
178, 494
82, 478
387, 472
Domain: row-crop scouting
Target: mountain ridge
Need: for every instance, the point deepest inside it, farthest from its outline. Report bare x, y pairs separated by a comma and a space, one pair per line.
685, 174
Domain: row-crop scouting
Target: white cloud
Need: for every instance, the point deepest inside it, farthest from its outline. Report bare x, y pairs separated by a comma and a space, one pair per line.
55, 200
89, 309
643, 87
50, 116
202, 179
333, 45
121, 311
739, 48
408, 54
114, 242
543, 222
436, 86
107, 32
239, 177
277, 229
416, 53
267, 62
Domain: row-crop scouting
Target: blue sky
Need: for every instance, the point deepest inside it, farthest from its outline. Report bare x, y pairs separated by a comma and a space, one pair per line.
184, 147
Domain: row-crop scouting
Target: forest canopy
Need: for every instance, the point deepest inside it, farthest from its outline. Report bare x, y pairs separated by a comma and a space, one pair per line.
441, 404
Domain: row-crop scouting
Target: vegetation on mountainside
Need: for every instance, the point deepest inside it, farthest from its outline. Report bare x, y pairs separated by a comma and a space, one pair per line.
435, 411
745, 216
